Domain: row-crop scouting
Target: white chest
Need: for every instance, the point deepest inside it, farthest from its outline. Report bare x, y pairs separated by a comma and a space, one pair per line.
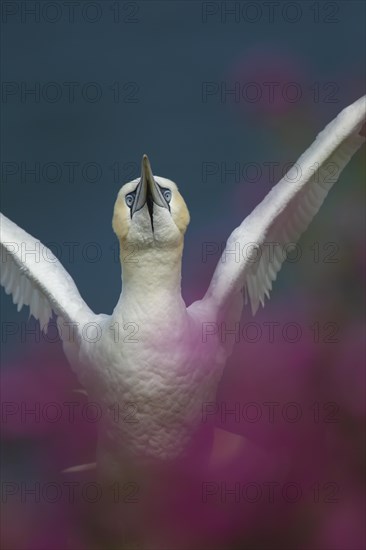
150, 378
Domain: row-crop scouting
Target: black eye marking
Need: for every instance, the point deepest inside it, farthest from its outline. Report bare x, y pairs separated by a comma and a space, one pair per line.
130, 199
167, 194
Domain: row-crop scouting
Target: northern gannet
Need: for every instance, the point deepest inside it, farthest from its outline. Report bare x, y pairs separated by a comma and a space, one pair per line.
150, 355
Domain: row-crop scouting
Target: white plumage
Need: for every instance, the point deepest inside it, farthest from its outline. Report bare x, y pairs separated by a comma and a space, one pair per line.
149, 355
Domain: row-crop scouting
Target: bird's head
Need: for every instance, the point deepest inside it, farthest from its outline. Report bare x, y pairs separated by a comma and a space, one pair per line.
150, 212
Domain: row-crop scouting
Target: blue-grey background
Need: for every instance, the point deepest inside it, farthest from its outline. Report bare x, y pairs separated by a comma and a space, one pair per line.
167, 53
163, 55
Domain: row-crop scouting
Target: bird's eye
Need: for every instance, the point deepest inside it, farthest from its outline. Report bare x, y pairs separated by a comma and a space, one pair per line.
167, 194
129, 199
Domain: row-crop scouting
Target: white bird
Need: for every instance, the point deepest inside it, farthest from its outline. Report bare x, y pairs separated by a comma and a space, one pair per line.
147, 365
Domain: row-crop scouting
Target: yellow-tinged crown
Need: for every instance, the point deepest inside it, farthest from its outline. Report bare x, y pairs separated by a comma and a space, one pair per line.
152, 224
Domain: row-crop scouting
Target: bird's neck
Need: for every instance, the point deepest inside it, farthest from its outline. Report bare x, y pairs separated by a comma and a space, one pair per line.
151, 277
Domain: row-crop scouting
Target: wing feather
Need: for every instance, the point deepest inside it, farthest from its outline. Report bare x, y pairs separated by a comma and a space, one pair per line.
35, 278
286, 212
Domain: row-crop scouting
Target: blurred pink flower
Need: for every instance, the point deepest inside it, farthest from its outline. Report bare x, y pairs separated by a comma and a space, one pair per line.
271, 81
292, 477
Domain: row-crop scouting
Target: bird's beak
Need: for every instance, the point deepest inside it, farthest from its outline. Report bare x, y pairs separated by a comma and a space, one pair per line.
147, 190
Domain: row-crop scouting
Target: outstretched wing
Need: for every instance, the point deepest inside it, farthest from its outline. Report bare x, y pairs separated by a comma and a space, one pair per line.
35, 278
285, 213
